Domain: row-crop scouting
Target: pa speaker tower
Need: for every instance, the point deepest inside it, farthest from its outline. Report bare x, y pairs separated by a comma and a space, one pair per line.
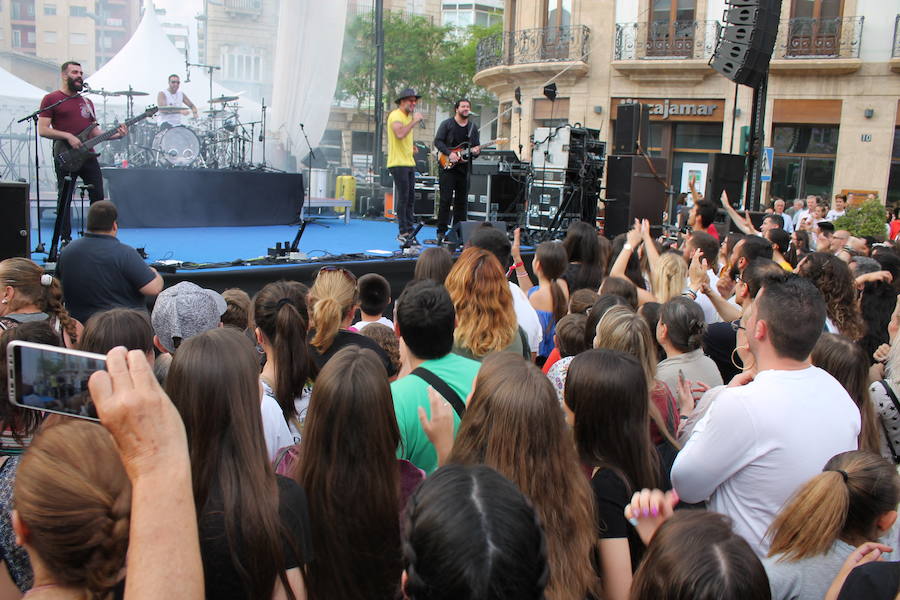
746, 42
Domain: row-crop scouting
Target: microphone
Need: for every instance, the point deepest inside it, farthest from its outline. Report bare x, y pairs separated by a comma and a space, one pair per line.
301, 125
85, 86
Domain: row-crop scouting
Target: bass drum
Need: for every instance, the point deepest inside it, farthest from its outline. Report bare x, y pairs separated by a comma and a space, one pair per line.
177, 146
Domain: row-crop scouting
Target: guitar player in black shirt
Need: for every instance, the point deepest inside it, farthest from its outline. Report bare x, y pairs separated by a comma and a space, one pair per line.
454, 132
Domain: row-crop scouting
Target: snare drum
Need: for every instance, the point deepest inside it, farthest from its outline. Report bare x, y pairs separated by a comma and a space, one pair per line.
177, 146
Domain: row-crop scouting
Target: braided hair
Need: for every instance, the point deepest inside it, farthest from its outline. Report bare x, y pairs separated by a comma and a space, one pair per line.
72, 474
471, 534
34, 286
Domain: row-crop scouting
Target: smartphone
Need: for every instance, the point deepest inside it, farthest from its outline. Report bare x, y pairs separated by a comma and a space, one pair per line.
52, 379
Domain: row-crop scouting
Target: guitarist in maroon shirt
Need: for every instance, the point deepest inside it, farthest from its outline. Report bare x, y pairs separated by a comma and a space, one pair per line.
64, 122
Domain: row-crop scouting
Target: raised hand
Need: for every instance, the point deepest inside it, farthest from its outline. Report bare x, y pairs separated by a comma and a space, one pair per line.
649, 509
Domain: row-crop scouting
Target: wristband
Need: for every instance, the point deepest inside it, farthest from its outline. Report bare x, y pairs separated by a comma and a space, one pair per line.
627, 246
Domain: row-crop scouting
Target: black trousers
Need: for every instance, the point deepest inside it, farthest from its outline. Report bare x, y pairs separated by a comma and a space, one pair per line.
89, 173
454, 184
405, 185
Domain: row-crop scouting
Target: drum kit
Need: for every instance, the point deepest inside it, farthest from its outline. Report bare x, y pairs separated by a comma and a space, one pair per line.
217, 139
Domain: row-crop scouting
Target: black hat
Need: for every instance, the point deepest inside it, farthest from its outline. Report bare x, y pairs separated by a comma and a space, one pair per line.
407, 93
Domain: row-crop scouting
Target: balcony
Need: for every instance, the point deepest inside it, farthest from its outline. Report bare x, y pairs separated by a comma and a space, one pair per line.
532, 50
661, 51
818, 46
244, 7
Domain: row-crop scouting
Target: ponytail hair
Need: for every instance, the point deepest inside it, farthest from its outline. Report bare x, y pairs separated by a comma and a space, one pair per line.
34, 286
842, 502
684, 323
280, 312
332, 296
72, 474
553, 261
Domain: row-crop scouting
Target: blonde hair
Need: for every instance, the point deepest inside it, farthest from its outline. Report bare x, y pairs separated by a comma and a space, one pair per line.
843, 502
72, 475
25, 277
667, 280
624, 330
486, 319
332, 296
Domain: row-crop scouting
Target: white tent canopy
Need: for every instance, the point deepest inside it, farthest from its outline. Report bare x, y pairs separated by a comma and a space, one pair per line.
13, 87
145, 63
18, 99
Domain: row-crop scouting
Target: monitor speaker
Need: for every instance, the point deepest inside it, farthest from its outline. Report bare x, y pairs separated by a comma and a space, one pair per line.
725, 172
464, 229
632, 128
15, 232
633, 192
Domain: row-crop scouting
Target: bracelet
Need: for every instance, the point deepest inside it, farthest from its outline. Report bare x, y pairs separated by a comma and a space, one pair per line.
690, 293
518, 264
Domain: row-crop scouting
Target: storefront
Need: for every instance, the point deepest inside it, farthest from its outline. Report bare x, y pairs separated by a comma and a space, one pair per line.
805, 138
893, 191
681, 130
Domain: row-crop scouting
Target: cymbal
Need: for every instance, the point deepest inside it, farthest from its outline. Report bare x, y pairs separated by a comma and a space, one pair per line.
213, 112
224, 99
172, 109
104, 93
130, 93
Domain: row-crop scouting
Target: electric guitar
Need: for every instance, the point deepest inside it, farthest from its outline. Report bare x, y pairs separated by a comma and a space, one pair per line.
71, 159
465, 153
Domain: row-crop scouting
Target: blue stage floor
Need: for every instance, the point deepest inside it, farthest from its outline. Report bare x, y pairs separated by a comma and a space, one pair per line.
226, 244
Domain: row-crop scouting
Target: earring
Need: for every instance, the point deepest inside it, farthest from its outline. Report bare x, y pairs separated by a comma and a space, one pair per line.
734, 359
4, 301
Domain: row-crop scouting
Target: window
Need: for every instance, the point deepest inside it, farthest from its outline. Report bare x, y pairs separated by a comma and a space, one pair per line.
49, 37
559, 13
78, 39
815, 28
49, 10
242, 64
17, 38
804, 160
893, 191
670, 31
29, 38
78, 11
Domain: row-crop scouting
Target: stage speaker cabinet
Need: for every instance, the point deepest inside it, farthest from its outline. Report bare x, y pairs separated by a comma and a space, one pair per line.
424, 201
632, 128
465, 229
633, 192
15, 231
747, 40
724, 172
495, 197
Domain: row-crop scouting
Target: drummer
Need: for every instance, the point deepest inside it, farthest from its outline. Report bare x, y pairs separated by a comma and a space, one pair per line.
173, 97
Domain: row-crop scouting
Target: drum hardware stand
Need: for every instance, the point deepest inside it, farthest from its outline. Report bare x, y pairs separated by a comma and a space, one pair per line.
262, 134
209, 69
83, 188
37, 165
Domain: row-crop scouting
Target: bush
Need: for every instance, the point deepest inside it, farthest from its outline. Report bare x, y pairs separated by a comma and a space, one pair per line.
866, 219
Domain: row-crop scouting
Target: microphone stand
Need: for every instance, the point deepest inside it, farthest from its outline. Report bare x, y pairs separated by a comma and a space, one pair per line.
37, 165
312, 157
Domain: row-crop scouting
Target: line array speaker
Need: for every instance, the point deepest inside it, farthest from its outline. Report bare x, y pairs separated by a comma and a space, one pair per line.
746, 42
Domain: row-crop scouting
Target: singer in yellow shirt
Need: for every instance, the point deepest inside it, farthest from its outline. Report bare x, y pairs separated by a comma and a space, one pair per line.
401, 163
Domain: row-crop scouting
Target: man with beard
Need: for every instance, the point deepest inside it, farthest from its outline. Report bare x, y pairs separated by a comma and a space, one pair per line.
64, 122
452, 133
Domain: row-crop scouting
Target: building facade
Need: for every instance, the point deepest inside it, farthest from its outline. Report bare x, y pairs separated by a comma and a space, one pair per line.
239, 36
36, 36
484, 13
832, 112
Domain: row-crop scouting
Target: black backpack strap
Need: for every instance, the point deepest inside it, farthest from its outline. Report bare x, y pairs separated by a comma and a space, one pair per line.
887, 436
441, 387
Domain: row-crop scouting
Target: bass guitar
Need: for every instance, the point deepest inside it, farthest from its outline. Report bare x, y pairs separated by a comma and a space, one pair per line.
465, 153
71, 159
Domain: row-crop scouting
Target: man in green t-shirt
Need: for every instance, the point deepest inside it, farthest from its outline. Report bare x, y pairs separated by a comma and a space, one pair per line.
401, 163
424, 321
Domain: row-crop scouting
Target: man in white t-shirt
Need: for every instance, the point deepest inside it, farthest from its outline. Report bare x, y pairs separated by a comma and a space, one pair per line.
808, 213
760, 441
840, 208
171, 101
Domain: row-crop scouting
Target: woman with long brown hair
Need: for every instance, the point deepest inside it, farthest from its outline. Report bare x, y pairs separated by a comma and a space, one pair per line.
72, 502
513, 424
485, 318
606, 405
254, 526
847, 362
333, 301
550, 297
30, 294
853, 500
833, 279
280, 314
357, 487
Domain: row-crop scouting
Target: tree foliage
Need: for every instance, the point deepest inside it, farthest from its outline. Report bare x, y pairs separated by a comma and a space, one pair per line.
439, 62
865, 219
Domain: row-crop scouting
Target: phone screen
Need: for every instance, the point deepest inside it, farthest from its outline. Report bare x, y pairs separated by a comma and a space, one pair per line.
53, 379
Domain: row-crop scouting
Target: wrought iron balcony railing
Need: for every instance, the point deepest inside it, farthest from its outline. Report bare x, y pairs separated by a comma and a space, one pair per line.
838, 37
895, 49
547, 44
663, 40
248, 6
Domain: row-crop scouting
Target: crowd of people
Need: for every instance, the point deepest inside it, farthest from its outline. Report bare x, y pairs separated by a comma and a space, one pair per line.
712, 416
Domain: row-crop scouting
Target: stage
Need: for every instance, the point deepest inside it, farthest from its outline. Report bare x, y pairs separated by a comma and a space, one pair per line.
224, 257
